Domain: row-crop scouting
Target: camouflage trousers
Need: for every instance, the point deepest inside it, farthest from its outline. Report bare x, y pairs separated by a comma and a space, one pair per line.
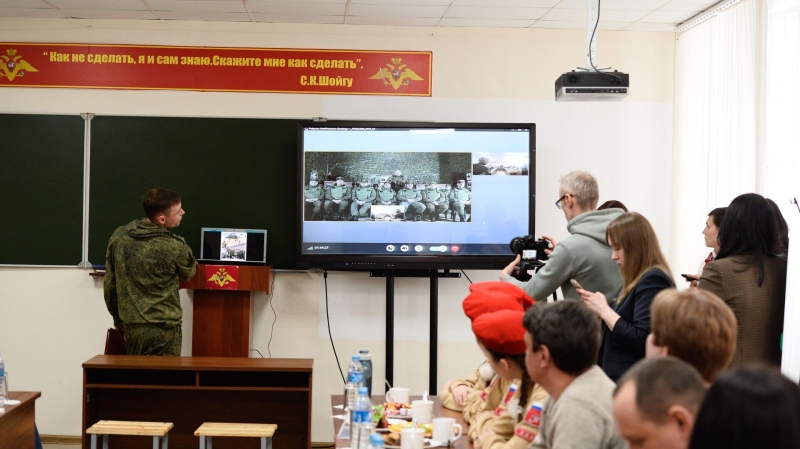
153, 340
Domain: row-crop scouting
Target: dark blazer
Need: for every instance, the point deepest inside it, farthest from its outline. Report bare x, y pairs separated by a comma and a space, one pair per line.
758, 310
624, 346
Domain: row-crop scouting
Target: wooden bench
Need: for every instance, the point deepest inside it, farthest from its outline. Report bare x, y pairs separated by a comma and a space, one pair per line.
218, 429
158, 430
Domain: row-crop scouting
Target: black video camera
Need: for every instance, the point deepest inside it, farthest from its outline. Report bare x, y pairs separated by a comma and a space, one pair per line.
532, 251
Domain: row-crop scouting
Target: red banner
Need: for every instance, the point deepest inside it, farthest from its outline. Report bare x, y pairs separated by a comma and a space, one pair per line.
222, 277
216, 69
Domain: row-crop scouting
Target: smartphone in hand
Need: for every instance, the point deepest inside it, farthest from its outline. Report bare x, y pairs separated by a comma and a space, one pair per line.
576, 284
689, 278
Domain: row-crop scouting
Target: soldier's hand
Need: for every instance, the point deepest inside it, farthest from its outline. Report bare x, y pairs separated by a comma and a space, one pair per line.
435, 203
309, 200
360, 203
467, 202
460, 394
337, 201
410, 200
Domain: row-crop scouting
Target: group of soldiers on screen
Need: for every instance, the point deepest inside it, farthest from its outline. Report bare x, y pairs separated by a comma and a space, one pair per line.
340, 202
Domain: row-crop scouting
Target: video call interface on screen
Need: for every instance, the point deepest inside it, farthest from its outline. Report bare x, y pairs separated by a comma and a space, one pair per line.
414, 192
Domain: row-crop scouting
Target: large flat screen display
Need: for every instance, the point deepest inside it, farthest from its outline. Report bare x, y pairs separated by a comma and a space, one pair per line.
386, 195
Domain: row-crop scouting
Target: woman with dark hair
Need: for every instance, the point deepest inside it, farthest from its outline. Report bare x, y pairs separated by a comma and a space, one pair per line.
612, 204
634, 246
749, 407
751, 278
711, 235
781, 229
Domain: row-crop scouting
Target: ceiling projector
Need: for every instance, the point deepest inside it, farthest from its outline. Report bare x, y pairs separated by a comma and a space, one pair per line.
592, 86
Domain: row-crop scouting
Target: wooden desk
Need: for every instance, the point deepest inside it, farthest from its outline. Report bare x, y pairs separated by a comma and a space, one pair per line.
189, 391
438, 411
17, 422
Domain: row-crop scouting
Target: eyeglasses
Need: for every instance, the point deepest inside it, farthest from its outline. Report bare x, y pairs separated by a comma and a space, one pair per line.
558, 203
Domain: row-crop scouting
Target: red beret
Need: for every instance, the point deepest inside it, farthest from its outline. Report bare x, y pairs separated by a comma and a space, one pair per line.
512, 290
501, 331
486, 301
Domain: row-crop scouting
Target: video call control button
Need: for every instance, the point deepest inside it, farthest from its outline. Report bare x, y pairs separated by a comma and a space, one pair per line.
418, 248
404, 248
390, 248
442, 248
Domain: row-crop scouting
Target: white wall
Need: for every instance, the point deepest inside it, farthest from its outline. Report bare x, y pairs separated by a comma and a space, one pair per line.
52, 320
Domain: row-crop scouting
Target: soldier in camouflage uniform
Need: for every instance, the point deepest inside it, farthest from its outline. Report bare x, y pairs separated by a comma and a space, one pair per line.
434, 202
337, 198
410, 198
386, 195
313, 204
446, 199
398, 181
461, 201
363, 196
143, 263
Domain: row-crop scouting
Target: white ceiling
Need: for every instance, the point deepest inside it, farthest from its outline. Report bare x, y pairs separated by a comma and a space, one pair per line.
629, 15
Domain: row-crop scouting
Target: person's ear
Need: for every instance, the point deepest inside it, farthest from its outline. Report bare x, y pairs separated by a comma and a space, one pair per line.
683, 420
547, 359
161, 219
503, 362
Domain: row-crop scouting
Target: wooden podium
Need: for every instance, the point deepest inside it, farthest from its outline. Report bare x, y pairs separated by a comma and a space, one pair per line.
223, 306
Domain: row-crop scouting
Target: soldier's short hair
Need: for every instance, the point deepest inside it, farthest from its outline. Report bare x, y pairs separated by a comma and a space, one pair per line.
159, 201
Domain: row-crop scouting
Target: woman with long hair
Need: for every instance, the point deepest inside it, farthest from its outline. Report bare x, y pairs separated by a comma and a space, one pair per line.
635, 248
753, 406
501, 337
750, 276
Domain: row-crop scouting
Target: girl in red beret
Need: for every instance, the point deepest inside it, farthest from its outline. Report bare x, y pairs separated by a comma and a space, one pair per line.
515, 422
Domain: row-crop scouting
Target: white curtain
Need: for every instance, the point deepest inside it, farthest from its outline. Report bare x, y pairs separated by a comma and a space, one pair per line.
719, 95
782, 154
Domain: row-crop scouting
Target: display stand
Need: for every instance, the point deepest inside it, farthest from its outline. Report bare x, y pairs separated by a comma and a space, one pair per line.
222, 316
434, 276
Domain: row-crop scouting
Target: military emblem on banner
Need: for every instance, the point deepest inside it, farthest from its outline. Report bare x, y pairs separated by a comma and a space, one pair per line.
396, 74
222, 277
13, 66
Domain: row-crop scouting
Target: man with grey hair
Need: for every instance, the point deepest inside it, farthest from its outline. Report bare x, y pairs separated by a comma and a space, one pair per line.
585, 255
656, 403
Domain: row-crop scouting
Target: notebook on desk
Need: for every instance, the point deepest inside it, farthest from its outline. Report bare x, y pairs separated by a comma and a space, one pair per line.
226, 246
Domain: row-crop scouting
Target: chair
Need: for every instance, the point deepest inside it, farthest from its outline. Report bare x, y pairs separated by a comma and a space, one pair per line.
158, 430
218, 429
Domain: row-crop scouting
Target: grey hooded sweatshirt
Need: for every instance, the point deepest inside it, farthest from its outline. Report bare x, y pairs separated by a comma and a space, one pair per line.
584, 256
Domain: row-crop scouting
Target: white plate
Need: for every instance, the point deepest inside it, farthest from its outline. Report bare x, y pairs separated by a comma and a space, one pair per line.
428, 444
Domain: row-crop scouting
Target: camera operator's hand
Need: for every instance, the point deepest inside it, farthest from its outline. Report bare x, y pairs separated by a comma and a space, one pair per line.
509, 270
597, 303
553, 244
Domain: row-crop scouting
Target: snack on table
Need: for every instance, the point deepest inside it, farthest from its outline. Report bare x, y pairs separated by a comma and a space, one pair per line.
397, 410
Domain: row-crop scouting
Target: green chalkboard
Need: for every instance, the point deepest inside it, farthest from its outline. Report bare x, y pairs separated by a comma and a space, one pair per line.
41, 189
232, 173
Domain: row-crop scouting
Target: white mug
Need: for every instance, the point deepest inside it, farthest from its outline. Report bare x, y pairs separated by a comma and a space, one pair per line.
422, 411
413, 438
397, 395
444, 430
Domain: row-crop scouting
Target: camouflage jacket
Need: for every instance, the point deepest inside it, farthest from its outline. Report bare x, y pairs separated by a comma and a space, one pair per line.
143, 263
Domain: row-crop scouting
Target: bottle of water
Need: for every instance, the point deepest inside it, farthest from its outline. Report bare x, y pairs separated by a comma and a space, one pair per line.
355, 372
3, 392
362, 420
366, 361
376, 441
355, 380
